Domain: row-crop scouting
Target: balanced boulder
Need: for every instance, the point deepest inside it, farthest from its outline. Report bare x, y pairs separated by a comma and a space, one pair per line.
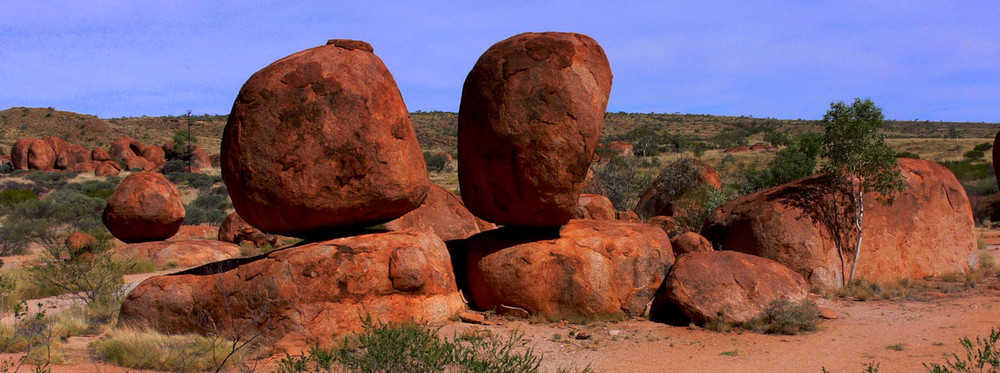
728, 285
145, 207
588, 268
531, 113
319, 140
927, 231
310, 294
442, 213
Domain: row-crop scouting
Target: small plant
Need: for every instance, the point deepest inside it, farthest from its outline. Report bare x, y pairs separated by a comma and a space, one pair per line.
785, 317
146, 349
730, 353
895, 347
983, 356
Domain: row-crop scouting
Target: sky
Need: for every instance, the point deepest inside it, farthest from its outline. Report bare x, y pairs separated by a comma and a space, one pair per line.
925, 60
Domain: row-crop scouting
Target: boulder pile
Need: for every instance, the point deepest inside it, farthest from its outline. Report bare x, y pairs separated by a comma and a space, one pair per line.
318, 145
927, 231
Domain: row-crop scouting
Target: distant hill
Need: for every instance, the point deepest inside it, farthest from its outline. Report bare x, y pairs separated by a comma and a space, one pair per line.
436, 130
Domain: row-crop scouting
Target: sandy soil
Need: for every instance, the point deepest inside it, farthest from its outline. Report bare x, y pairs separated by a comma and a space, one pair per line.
899, 335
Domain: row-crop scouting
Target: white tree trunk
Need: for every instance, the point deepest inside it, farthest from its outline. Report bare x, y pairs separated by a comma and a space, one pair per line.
859, 201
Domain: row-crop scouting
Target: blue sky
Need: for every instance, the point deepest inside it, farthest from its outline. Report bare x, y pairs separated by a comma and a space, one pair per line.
917, 60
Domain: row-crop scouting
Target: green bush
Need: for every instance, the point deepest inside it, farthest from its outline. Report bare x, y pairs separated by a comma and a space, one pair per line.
207, 209
174, 166
907, 155
966, 170
777, 138
983, 147
621, 180
195, 180
974, 155
12, 197
437, 162
50, 180
789, 164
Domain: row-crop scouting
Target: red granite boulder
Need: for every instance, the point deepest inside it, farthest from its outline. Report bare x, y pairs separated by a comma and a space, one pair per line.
107, 168
927, 231
442, 213
144, 207
100, 155
32, 154
81, 167
728, 285
309, 294
594, 206
74, 153
689, 242
178, 253
128, 153
234, 229
531, 113
320, 140
588, 268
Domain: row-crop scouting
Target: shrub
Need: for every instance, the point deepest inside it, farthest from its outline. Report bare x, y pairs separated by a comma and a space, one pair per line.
974, 154
95, 279
195, 180
146, 349
907, 155
789, 164
415, 348
174, 166
12, 197
699, 205
784, 317
983, 147
966, 170
207, 208
50, 180
777, 138
983, 356
437, 162
621, 180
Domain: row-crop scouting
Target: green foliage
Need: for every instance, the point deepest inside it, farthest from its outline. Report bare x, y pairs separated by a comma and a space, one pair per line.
207, 209
777, 138
907, 155
174, 166
789, 164
699, 204
621, 180
784, 317
94, 279
438, 162
50, 180
981, 356
12, 197
194, 180
983, 147
181, 138
416, 348
859, 161
966, 170
974, 155
650, 141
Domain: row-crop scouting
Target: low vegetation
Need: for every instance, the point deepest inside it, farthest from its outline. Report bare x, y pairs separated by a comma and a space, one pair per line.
780, 317
145, 349
417, 348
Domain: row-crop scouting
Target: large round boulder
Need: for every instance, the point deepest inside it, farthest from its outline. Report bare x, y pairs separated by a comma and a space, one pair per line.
675, 191
321, 139
309, 294
145, 207
73, 154
586, 268
928, 230
531, 113
728, 285
442, 213
107, 168
32, 154
689, 242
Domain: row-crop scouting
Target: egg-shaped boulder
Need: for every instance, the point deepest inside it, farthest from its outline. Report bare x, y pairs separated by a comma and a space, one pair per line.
145, 207
531, 113
321, 140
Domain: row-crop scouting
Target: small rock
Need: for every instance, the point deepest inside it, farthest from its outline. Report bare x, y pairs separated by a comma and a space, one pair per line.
582, 336
510, 311
472, 318
827, 313
614, 332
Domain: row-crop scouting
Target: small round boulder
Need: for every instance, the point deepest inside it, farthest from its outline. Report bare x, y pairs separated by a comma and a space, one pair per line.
144, 207
320, 140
